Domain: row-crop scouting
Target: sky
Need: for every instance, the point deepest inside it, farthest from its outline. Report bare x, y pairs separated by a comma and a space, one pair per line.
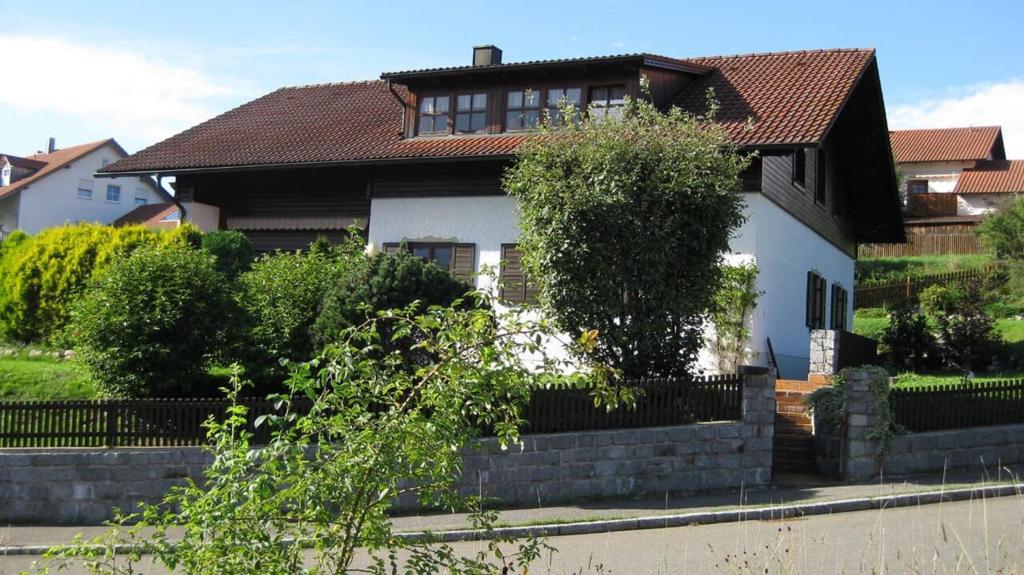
141, 71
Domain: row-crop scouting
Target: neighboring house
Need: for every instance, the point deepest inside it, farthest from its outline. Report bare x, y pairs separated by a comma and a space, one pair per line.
164, 215
417, 156
59, 186
950, 179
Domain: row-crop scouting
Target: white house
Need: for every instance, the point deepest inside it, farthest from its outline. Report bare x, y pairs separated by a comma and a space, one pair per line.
59, 186
417, 156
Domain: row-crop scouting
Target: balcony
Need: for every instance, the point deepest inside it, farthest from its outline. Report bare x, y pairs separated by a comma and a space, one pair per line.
927, 205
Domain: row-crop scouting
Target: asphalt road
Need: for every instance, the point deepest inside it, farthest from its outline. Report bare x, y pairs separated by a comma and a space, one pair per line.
963, 537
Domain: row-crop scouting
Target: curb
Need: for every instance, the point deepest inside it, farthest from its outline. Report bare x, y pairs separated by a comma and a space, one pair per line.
772, 513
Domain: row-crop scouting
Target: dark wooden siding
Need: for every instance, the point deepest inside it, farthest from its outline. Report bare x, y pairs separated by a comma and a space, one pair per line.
481, 178
289, 240
777, 185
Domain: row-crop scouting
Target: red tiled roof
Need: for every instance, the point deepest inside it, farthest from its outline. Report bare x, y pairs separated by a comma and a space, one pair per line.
149, 215
992, 177
54, 161
789, 97
944, 144
941, 220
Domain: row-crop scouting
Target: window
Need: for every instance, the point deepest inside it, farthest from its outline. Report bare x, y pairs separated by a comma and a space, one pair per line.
460, 259
815, 317
434, 115
523, 109
470, 113
820, 185
141, 201
172, 217
556, 99
917, 186
607, 101
800, 167
837, 192
113, 194
105, 162
85, 189
839, 307
515, 286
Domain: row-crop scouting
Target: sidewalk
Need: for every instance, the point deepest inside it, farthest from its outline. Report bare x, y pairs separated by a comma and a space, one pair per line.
791, 490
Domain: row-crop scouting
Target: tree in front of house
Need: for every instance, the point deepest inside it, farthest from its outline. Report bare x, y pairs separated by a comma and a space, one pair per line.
623, 225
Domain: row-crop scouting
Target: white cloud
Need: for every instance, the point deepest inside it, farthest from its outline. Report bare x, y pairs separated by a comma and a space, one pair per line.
134, 97
1000, 104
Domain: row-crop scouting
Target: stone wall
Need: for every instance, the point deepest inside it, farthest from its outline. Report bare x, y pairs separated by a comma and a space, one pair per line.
83, 486
851, 454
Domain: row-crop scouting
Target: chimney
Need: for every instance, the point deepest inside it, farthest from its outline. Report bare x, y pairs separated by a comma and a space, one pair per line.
488, 55
53, 145
5, 171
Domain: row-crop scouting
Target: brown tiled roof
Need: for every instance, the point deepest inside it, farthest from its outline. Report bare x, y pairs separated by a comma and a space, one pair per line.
52, 162
992, 177
944, 144
789, 97
637, 58
781, 97
149, 215
941, 220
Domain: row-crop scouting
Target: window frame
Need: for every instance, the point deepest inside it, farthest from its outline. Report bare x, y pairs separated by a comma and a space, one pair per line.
820, 188
114, 187
814, 313
840, 307
551, 110
799, 158
522, 109
608, 106
85, 185
141, 201
472, 111
447, 114
918, 181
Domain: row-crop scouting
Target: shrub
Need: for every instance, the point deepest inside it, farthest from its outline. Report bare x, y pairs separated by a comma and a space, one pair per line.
967, 334
40, 275
908, 339
147, 327
1003, 232
281, 297
233, 250
938, 300
386, 282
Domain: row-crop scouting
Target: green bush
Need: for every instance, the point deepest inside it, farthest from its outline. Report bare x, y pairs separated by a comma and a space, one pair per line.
148, 326
281, 297
908, 339
41, 275
386, 282
968, 336
233, 250
938, 300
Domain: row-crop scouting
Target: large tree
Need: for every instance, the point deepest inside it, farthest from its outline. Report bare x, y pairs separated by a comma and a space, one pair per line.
624, 221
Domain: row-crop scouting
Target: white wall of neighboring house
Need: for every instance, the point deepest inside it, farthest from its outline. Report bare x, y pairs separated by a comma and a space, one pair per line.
54, 200
981, 204
9, 213
783, 248
941, 176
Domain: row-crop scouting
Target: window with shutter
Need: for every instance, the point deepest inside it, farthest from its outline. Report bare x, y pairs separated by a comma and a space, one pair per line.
839, 307
815, 313
460, 259
515, 286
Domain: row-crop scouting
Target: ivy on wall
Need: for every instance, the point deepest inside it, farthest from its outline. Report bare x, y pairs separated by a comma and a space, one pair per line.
736, 298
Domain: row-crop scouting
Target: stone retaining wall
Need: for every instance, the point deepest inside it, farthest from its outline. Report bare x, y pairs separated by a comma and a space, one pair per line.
83, 486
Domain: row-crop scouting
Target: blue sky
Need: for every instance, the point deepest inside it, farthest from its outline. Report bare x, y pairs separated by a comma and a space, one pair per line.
141, 71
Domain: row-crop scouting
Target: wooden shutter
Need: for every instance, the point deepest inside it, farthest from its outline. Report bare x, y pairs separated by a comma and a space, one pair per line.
464, 262
515, 285
812, 282
839, 303
815, 313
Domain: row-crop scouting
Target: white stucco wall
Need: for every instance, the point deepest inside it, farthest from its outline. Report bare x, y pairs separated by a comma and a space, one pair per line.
785, 250
203, 216
53, 200
982, 204
941, 176
487, 221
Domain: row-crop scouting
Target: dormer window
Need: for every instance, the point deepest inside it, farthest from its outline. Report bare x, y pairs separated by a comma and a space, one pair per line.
471, 113
557, 97
607, 101
434, 115
523, 109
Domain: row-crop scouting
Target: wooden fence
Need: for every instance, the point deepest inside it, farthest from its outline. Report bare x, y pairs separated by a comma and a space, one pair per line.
925, 240
937, 407
179, 422
908, 289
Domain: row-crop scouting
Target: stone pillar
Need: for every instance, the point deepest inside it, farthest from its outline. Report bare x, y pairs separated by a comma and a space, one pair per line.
759, 401
861, 459
824, 352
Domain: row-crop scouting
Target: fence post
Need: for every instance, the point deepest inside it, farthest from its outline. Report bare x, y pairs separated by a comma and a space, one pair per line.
111, 440
861, 451
909, 287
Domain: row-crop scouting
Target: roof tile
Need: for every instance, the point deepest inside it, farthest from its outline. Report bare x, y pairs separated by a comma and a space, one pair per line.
943, 144
992, 177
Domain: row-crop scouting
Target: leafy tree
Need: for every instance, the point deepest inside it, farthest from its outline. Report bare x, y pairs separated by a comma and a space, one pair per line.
967, 334
233, 250
1003, 232
281, 297
147, 326
375, 432
41, 275
908, 338
624, 223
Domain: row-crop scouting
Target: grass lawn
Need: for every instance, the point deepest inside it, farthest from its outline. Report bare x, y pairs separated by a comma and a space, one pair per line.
922, 379
42, 378
887, 270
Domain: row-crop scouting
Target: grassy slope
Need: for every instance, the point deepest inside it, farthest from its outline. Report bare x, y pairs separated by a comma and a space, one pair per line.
40, 378
885, 270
